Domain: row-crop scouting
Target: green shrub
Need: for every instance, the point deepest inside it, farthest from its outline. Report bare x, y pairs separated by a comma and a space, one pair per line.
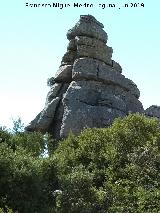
27, 180
109, 170
34, 143
114, 169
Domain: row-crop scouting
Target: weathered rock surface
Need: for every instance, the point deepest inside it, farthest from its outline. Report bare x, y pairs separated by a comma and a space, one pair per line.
45, 117
88, 26
89, 89
153, 111
116, 66
69, 57
93, 48
64, 74
92, 69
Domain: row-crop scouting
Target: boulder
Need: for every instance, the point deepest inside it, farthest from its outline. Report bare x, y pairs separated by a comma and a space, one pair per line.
153, 111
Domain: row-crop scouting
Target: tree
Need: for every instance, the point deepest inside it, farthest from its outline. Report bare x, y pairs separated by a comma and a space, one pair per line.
107, 170
18, 126
115, 169
27, 179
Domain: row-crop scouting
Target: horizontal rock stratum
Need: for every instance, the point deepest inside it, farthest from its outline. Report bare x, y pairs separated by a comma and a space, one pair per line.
89, 89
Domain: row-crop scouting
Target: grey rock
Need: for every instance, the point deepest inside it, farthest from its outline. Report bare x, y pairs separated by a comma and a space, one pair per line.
72, 45
85, 68
132, 87
55, 126
133, 105
87, 27
64, 74
88, 89
44, 119
89, 47
92, 42
69, 57
104, 54
89, 18
93, 48
82, 111
90, 92
114, 102
89, 68
101, 117
116, 66
31, 127
153, 111
53, 93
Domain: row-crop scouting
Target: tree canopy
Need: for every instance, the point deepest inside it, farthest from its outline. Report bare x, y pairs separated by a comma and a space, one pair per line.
106, 170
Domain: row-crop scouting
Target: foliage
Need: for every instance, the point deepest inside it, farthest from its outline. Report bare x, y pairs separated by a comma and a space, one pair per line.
109, 170
27, 179
7, 210
18, 126
34, 143
113, 169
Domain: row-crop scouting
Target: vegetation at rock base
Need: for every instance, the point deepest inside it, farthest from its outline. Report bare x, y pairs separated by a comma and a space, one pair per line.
109, 170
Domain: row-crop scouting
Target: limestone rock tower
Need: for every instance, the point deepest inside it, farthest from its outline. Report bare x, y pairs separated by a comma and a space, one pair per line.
89, 89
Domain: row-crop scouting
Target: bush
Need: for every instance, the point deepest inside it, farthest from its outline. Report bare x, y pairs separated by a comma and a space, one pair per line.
34, 143
113, 169
27, 179
108, 170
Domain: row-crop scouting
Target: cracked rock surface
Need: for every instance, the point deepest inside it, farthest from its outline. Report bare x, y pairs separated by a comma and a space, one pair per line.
89, 89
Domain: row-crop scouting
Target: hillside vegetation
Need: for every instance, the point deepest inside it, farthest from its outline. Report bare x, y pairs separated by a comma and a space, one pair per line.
109, 170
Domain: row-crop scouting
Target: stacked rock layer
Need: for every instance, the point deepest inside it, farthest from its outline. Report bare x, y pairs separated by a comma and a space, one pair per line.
89, 89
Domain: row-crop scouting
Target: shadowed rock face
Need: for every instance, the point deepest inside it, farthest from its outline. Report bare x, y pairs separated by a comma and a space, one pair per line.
89, 89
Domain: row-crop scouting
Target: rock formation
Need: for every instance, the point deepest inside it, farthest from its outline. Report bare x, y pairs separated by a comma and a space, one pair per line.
153, 111
88, 89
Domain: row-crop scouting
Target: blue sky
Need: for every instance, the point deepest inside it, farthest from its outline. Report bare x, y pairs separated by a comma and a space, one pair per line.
33, 41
